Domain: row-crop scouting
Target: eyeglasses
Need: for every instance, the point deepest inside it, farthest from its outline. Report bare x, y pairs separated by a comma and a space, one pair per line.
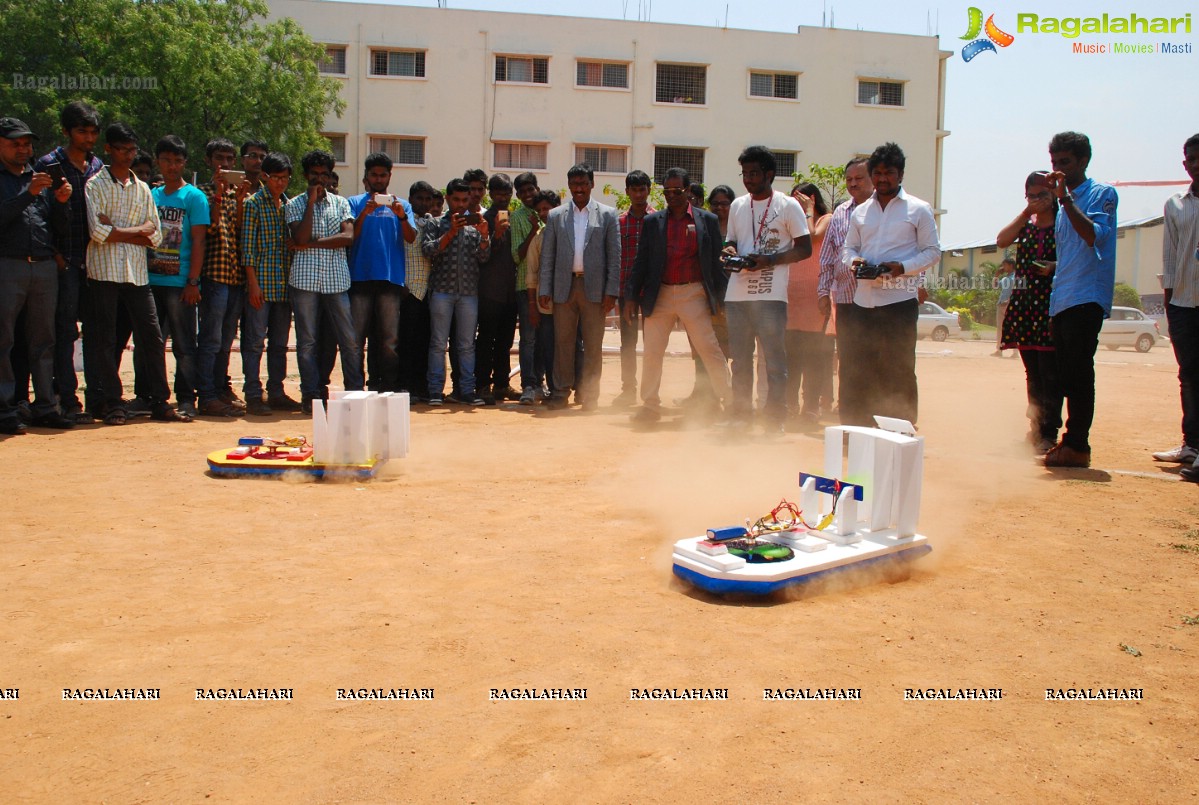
673, 191
124, 149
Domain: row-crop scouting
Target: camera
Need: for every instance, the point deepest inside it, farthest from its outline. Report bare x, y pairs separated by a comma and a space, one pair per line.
866, 271
737, 262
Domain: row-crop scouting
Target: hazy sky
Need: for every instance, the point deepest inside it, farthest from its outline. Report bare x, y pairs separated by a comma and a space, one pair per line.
1001, 107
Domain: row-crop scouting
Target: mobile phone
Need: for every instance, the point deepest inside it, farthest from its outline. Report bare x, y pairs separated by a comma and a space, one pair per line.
233, 177
472, 218
1043, 264
501, 217
384, 200
57, 174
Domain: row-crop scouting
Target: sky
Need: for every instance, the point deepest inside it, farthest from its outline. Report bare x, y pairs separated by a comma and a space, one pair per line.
1001, 107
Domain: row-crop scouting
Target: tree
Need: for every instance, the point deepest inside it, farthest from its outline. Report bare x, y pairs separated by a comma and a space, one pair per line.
1124, 295
196, 68
829, 178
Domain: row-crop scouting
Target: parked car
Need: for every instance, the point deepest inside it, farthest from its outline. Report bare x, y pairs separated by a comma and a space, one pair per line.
935, 322
1129, 327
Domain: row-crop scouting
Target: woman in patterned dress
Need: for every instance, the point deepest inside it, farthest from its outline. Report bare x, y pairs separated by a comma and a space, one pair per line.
1026, 325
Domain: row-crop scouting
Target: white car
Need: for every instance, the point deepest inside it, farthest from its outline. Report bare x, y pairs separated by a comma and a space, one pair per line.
1129, 327
935, 322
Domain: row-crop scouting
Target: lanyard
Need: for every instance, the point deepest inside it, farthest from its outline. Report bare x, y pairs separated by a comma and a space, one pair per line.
762, 223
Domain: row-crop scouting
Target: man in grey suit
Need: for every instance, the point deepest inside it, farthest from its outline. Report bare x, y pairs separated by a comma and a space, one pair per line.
580, 274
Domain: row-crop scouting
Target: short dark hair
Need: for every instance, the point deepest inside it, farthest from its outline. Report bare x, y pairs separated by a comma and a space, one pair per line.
276, 161
378, 159
219, 144
1071, 142
499, 181
581, 169
248, 144
316, 158
336, 179
438, 194
457, 186
761, 156
1192, 142
142, 158
857, 161
723, 189
637, 178
678, 173
77, 114
524, 180
171, 144
547, 195
420, 186
119, 133
475, 175
812, 191
889, 155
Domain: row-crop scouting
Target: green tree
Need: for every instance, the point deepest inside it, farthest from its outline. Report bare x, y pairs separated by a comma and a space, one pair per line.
196, 68
1125, 295
829, 178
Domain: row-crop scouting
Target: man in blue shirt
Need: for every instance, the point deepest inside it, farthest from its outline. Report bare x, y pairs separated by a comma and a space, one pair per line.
377, 271
1084, 280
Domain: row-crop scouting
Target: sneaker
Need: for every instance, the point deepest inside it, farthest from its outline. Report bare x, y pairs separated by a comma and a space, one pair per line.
258, 407
646, 416
1184, 454
1190, 473
528, 396
456, 399
475, 399
1062, 455
436, 400
282, 402
137, 407
53, 420
502, 393
488, 399
625, 399
24, 412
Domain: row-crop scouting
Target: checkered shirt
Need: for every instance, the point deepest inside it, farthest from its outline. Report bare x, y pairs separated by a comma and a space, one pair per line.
417, 266
126, 205
264, 245
630, 236
320, 270
221, 262
522, 225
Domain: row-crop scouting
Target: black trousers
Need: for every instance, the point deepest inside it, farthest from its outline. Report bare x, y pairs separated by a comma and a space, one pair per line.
878, 362
493, 346
1075, 339
104, 299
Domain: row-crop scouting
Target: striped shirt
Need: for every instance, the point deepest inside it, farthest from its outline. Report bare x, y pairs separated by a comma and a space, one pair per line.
220, 246
834, 276
126, 205
417, 265
522, 225
320, 270
1180, 249
264, 245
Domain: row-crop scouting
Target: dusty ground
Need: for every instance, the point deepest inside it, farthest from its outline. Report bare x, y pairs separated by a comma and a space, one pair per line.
520, 550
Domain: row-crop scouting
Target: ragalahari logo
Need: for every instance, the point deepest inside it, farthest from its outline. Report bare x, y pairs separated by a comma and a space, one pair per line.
994, 36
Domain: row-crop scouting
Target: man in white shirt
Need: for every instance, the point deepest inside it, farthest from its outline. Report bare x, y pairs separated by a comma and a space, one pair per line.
771, 230
896, 233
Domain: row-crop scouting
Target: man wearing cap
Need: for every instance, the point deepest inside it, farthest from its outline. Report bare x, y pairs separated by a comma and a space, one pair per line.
33, 215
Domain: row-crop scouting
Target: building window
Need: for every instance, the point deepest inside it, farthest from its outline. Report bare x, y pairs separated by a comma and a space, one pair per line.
784, 164
402, 150
774, 85
337, 146
404, 63
669, 156
992, 249
520, 156
880, 93
602, 74
603, 158
681, 83
334, 61
522, 69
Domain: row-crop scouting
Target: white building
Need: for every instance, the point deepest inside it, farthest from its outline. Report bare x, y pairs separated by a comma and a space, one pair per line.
444, 90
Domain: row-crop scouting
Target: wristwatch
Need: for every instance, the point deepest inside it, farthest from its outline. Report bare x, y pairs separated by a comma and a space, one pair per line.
192, 281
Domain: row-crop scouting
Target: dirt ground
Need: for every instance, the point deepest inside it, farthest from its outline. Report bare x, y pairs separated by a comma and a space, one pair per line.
522, 550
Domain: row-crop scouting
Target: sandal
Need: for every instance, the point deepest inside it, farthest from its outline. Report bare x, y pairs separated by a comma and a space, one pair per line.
115, 417
166, 413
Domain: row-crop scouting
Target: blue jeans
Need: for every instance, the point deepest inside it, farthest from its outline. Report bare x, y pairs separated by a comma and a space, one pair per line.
1183, 324
464, 312
177, 320
529, 376
220, 313
749, 321
375, 310
307, 306
271, 324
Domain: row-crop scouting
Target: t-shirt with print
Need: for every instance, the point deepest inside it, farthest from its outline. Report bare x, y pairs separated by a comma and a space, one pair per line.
763, 227
178, 212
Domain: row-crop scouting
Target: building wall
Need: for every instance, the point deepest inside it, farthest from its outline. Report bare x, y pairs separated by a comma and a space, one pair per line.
461, 110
